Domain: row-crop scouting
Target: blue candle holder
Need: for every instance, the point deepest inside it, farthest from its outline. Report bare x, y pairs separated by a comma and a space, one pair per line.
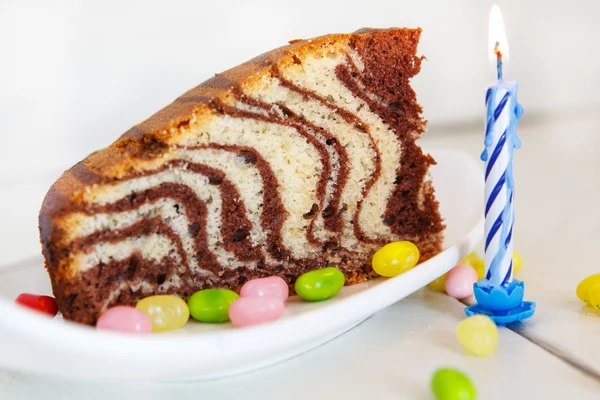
503, 304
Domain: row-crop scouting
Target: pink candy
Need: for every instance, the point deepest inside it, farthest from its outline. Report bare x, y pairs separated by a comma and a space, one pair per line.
255, 310
124, 319
261, 300
273, 286
460, 280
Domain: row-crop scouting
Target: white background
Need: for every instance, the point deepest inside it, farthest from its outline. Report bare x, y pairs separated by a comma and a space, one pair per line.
76, 74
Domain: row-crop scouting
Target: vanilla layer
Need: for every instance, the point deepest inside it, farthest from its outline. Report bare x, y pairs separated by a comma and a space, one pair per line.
151, 247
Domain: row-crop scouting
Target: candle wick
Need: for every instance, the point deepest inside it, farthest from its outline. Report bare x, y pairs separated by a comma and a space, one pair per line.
498, 60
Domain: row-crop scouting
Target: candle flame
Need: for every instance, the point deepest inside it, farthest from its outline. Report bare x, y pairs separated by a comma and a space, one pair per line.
497, 42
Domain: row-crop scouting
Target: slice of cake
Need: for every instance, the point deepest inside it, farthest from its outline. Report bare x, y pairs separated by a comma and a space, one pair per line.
300, 158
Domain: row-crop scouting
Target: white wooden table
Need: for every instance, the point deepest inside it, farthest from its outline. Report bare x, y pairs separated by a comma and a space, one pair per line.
392, 355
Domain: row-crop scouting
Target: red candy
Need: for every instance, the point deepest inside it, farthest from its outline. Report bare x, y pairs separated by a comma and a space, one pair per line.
43, 304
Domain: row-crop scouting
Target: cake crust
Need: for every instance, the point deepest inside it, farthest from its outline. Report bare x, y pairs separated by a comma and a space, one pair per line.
387, 61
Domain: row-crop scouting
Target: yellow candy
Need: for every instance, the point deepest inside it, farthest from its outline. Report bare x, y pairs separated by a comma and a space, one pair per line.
517, 261
594, 296
478, 334
472, 259
480, 269
476, 262
439, 284
583, 289
395, 258
166, 312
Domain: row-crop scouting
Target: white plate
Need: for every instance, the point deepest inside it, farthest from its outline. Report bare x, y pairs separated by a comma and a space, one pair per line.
33, 343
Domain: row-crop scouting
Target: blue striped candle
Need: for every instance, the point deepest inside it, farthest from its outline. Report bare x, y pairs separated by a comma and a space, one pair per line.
501, 140
498, 295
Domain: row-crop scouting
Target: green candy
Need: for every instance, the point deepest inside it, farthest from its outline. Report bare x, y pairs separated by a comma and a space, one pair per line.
320, 284
211, 305
450, 384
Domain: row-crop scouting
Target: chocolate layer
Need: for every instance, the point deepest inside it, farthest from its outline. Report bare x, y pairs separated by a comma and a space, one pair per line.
82, 299
402, 112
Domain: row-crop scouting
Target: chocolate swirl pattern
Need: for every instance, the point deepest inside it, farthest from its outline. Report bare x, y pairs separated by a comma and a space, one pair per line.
301, 158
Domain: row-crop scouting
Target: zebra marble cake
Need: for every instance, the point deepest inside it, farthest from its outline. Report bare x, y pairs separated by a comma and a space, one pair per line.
303, 157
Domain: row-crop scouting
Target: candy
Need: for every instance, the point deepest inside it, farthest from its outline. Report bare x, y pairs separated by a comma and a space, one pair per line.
460, 280
44, 304
439, 284
480, 270
450, 384
273, 286
255, 310
476, 262
517, 261
473, 259
124, 319
166, 312
320, 284
395, 258
594, 296
585, 285
211, 305
478, 334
